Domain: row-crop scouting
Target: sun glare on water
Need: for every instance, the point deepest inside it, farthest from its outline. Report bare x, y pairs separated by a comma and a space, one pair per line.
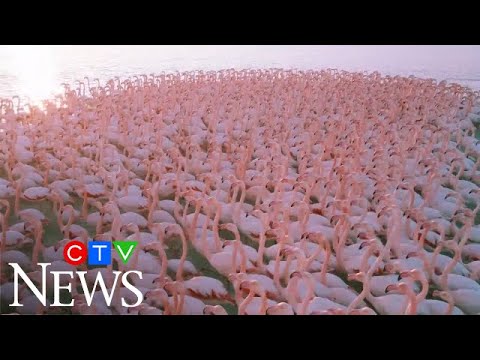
34, 66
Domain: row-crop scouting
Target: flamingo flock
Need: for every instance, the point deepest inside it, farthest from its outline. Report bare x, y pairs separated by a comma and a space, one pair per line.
252, 192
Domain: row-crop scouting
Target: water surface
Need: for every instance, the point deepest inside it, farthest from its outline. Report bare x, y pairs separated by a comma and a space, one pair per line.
36, 72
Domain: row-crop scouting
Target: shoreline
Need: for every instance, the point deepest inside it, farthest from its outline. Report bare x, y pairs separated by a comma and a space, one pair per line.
73, 83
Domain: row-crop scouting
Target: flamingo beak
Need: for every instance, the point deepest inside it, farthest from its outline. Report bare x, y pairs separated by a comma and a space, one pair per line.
403, 274
391, 287
363, 244
296, 274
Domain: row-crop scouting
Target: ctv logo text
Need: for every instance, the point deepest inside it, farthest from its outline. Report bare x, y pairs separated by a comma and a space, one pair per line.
76, 253
99, 252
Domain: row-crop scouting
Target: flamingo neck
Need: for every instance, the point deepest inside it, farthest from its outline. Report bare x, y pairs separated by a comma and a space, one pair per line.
205, 249
17, 194
276, 271
261, 249
305, 218
448, 269
246, 302
216, 220
4, 234
451, 306
153, 204
263, 307
341, 241
364, 294
323, 273
423, 294
4, 227
69, 224
85, 204
412, 197
38, 243
175, 301
234, 256
243, 255
179, 276
412, 303
306, 301
195, 220
176, 208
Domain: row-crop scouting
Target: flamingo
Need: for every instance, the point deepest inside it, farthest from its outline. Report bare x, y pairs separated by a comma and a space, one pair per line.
316, 174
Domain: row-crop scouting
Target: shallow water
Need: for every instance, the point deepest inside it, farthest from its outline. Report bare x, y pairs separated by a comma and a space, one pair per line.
36, 72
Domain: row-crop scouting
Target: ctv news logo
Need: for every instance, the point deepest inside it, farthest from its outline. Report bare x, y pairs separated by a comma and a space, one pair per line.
97, 253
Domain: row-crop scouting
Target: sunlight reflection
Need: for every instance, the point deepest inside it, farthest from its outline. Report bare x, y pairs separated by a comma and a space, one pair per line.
34, 67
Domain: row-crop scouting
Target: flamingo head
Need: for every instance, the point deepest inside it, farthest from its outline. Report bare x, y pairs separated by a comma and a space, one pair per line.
415, 274
253, 285
444, 295
172, 286
228, 226
129, 227
401, 288
236, 277
359, 276
279, 309
214, 310
289, 251
371, 242
173, 229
